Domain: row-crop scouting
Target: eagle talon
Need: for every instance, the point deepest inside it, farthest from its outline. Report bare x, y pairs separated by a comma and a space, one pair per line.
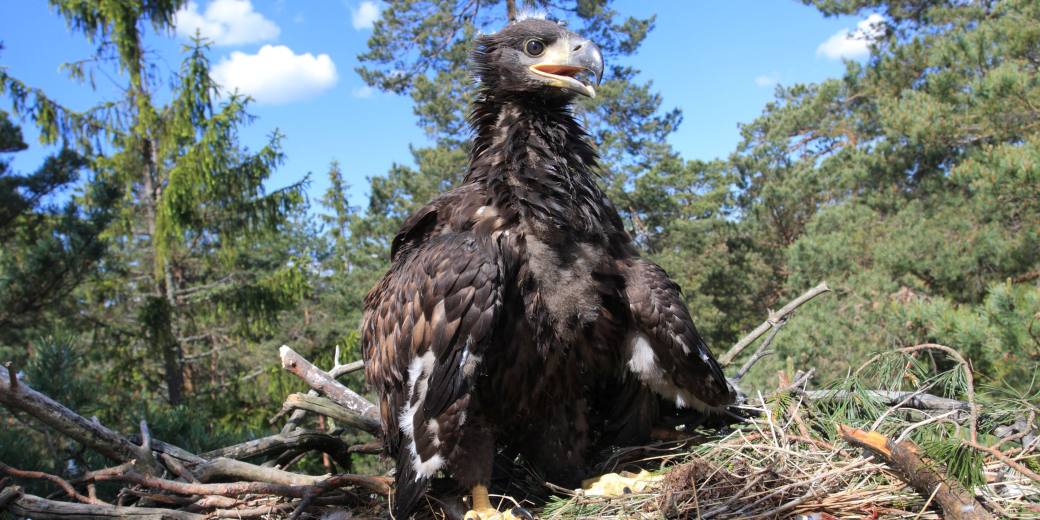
618, 484
482, 509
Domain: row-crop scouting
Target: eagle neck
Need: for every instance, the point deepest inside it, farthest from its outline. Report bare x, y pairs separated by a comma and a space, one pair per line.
533, 156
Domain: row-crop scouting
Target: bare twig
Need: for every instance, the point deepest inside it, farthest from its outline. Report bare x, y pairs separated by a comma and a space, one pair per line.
1006, 460
379, 485
762, 350
221, 469
338, 370
60, 482
773, 319
891, 398
276, 444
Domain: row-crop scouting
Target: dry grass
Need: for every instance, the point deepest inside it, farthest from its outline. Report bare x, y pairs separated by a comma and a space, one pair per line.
766, 470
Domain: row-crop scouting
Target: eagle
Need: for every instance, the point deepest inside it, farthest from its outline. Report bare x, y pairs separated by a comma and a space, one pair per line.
517, 315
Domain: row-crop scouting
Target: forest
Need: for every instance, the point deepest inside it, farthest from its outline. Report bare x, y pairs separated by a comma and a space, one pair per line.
160, 287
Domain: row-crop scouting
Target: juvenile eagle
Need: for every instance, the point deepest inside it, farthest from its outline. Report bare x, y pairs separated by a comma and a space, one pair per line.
517, 314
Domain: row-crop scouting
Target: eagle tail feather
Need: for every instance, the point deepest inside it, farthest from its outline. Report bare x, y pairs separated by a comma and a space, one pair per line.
409, 487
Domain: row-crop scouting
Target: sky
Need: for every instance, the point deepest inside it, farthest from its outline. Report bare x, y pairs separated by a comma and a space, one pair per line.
719, 62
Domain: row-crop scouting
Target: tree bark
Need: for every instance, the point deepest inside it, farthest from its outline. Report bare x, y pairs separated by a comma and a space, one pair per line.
16, 395
321, 381
329, 408
957, 503
31, 506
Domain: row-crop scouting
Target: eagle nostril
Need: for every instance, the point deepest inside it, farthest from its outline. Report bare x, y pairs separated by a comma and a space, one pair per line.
579, 46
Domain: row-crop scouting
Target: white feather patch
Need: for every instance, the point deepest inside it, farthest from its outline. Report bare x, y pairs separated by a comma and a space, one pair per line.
419, 371
643, 363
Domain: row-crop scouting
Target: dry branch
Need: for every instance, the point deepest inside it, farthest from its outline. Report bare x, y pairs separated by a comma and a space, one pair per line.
762, 351
379, 485
60, 482
31, 506
890, 398
16, 395
222, 468
770, 322
329, 408
322, 382
923, 475
276, 444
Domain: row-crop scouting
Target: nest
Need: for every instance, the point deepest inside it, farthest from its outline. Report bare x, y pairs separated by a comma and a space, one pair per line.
764, 470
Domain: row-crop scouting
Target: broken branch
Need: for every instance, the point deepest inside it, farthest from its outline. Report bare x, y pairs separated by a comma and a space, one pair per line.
330, 408
321, 381
956, 502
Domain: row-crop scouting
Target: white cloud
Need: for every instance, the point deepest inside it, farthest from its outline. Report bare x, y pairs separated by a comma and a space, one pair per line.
365, 15
765, 80
363, 91
846, 44
275, 74
225, 22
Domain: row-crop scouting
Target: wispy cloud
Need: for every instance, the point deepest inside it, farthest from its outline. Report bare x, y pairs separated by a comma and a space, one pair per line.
225, 22
854, 44
365, 15
363, 92
766, 80
276, 75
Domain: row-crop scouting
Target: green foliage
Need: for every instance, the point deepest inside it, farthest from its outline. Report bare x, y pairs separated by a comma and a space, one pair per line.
169, 275
47, 249
910, 186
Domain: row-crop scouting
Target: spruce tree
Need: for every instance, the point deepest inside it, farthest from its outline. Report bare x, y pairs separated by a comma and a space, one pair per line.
188, 274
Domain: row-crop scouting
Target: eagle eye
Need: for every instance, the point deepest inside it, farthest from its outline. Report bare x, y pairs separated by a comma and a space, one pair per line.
534, 47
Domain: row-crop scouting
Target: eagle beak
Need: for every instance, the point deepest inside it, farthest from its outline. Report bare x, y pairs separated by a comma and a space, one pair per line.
569, 63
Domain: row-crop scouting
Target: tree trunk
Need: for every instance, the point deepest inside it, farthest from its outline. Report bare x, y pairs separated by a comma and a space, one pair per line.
159, 324
157, 317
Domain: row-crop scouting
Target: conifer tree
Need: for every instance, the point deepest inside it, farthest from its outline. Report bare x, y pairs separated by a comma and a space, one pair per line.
46, 249
910, 184
187, 274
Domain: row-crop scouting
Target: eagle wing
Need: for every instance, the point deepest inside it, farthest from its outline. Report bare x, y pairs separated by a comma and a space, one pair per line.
666, 352
425, 329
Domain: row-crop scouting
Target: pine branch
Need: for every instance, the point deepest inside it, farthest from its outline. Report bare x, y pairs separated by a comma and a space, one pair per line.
924, 476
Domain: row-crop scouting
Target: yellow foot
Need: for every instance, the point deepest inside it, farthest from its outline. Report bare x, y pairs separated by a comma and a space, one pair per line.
615, 484
482, 509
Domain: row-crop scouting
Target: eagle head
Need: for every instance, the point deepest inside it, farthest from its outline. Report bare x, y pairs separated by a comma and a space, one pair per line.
540, 58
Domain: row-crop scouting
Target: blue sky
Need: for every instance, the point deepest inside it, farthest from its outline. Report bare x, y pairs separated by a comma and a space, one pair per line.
718, 62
